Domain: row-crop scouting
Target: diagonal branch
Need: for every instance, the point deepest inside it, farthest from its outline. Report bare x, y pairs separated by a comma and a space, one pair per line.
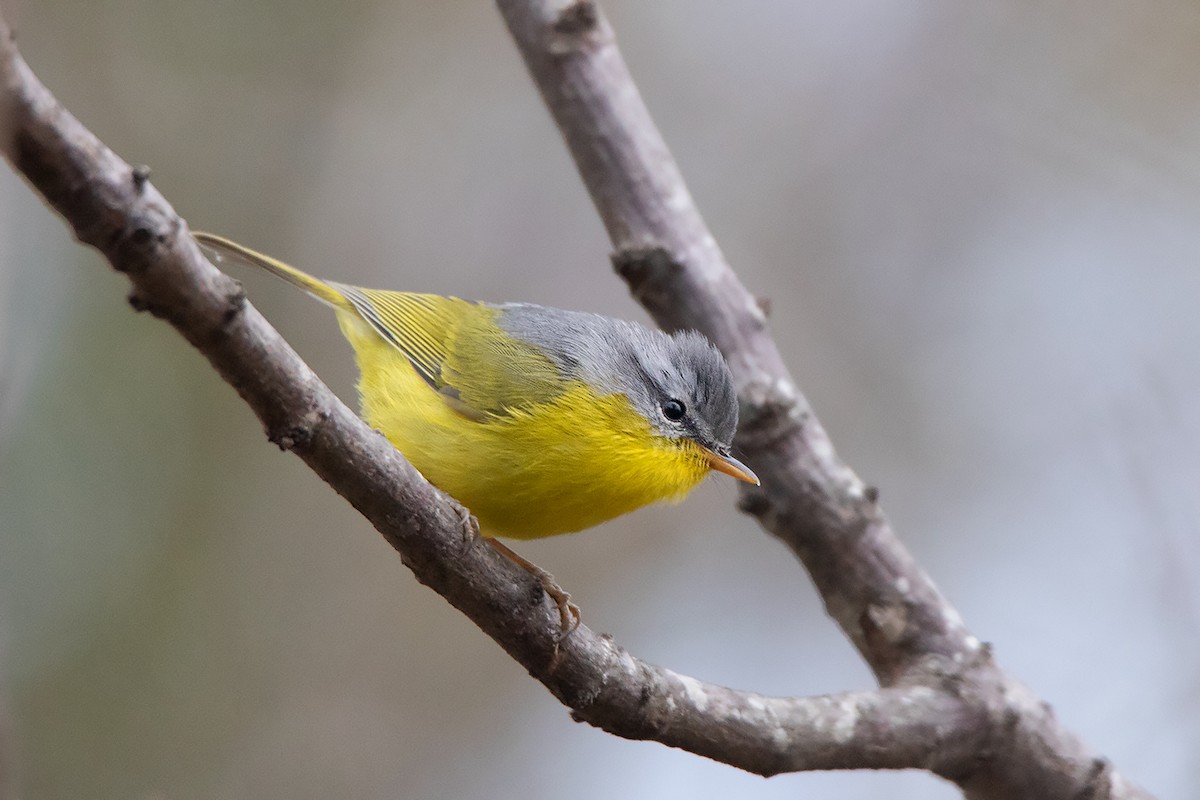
885, 603
115, 209
663, 249
949, 708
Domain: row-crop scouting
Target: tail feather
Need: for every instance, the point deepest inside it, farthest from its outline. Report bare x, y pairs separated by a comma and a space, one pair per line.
227, 250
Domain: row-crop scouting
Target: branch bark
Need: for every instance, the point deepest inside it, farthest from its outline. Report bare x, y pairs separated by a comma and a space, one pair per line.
885, 603
944, 706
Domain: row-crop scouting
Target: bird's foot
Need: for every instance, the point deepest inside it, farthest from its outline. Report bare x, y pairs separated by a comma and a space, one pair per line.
569, 615
469, 527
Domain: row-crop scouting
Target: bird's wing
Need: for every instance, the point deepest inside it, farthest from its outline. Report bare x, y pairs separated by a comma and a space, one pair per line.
457, 348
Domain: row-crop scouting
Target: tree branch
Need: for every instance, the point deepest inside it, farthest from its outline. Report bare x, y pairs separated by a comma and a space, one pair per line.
809, 498
115, 209
947, 707
889, 608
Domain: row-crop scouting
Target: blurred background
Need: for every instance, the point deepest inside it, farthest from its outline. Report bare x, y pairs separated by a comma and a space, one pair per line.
978, 224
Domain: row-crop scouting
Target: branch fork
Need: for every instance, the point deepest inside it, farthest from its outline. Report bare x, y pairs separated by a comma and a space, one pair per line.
943, 704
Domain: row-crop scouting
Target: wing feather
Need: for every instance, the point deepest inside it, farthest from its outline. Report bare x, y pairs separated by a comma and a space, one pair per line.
458, 349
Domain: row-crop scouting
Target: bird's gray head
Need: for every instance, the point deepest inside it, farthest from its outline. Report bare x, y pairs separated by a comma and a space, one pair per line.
679, 382
682, 385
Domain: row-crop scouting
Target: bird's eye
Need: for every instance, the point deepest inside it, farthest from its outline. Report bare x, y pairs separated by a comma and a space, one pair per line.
673, 410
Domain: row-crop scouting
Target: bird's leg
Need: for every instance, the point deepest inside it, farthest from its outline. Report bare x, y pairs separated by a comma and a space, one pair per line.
568, 612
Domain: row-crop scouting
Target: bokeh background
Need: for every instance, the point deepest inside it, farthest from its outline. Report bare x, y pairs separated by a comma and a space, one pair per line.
979, 226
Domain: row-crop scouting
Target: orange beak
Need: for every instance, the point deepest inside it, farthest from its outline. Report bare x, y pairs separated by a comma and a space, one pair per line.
730, 466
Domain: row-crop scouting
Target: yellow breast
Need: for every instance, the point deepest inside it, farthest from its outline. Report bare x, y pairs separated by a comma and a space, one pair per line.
556, 467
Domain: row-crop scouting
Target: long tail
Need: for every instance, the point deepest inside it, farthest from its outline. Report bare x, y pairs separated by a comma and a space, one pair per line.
226, 250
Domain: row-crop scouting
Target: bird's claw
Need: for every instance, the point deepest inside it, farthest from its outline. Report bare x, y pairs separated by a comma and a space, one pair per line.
569, 615
469, 527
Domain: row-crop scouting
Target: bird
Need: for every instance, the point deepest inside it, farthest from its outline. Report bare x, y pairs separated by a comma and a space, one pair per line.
538, 420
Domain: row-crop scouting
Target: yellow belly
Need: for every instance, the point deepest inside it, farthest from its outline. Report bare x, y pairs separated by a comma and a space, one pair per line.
558, 468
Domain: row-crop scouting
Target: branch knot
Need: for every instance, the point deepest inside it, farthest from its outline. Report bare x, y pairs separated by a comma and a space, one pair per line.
576, 27
647, 268
297, 434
